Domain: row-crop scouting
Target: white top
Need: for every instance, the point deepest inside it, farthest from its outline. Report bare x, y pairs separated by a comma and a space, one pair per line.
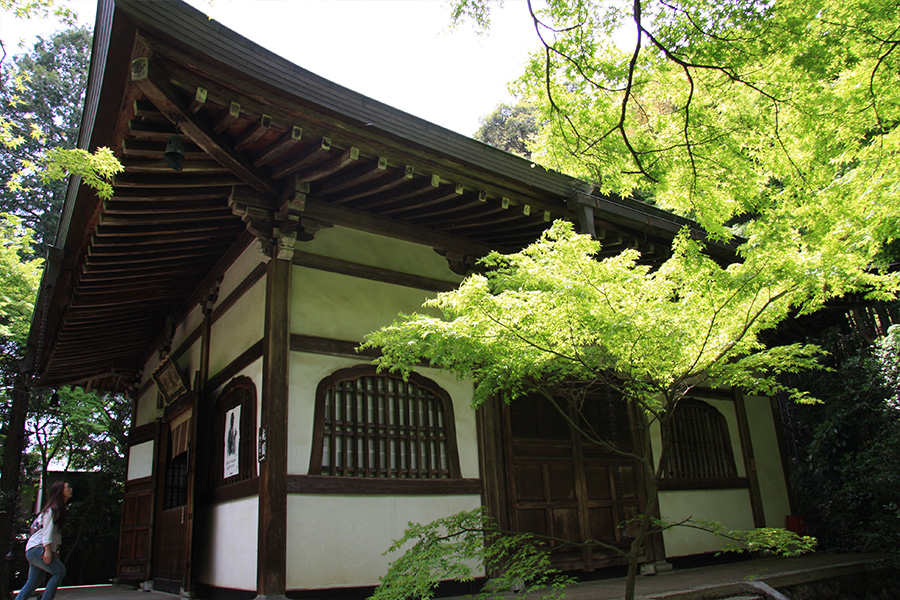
48, 535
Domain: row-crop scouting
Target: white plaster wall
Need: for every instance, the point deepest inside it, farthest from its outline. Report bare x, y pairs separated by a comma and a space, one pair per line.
339, 307
342, 538
379, 251
770, 472
189, 362
307, 370
186, 327
150, 366
239, 328
145, 404
140, 461
238, 272
731, 508
230, 545
145, 407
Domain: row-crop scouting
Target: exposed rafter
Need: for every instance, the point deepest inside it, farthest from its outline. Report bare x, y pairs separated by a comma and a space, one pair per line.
147, 77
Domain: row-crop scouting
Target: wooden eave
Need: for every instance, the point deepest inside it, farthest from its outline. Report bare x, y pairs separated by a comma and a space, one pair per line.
262, 136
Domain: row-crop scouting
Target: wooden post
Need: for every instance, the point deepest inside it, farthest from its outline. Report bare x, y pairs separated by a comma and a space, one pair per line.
199, 456
9, 480
756, 505
272, 535
782, 452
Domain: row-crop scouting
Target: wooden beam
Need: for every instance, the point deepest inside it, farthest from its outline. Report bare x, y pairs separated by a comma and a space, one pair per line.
198, 101
156, 88
365, 174
427, 199
279, 146
174, 180
405, 188
334, 165
160, 196
253, 133
344, 267
228, 117
159, 165
306, 157
388, 227
156, 149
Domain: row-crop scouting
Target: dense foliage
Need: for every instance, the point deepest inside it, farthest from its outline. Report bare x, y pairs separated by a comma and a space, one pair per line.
772, 120
846, 476
42, 95
19, 277
461, 546
511, 128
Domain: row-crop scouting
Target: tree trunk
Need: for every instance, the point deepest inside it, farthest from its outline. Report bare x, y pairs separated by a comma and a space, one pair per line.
646, 519
9, 479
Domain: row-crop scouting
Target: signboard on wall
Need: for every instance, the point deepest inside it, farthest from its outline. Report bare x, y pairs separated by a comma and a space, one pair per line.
232, 442
169, 381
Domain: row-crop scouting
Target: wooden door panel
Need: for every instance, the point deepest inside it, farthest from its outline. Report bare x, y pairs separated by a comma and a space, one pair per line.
171, 527
597, 481
561, 482
603, 522
566, 488
168, 552
134, 539
532, 520
529, 483
628, 482
565, 523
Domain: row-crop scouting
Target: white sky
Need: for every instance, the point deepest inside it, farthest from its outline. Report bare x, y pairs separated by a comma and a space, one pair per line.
400, 52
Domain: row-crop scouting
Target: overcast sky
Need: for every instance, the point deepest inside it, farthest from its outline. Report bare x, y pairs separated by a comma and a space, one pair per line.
400, 52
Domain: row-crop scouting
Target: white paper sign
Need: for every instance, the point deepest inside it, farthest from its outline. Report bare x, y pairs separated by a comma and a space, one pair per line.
232, 441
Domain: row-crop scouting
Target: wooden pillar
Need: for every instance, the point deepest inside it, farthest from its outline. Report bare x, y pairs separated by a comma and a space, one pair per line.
756, 505
9, 480
782, 452
272, 535
199, 456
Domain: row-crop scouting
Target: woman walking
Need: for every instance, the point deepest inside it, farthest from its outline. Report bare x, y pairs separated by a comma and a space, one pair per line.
42, 549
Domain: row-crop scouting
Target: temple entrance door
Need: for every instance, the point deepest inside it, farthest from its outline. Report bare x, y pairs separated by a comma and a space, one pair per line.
561, 486
173, 511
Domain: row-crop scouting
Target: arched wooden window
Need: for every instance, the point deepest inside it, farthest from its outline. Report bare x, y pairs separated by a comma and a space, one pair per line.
697, 448
370, 424
234, 434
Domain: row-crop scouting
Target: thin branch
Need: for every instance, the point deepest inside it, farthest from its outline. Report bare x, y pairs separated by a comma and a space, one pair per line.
632, 65
579, 429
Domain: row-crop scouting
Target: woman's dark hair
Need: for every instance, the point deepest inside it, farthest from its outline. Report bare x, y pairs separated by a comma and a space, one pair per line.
56, 501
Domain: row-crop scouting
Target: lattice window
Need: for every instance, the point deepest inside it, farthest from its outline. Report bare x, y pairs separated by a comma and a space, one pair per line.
176, 482
697, 443
377, 425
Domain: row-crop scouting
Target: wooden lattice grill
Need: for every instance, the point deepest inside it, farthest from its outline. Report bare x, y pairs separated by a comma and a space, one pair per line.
697, 444
381, 426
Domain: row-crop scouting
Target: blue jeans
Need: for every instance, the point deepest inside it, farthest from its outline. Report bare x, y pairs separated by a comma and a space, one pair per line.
37, 568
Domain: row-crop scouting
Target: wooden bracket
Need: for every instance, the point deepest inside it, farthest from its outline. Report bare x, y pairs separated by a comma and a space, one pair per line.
275, 221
